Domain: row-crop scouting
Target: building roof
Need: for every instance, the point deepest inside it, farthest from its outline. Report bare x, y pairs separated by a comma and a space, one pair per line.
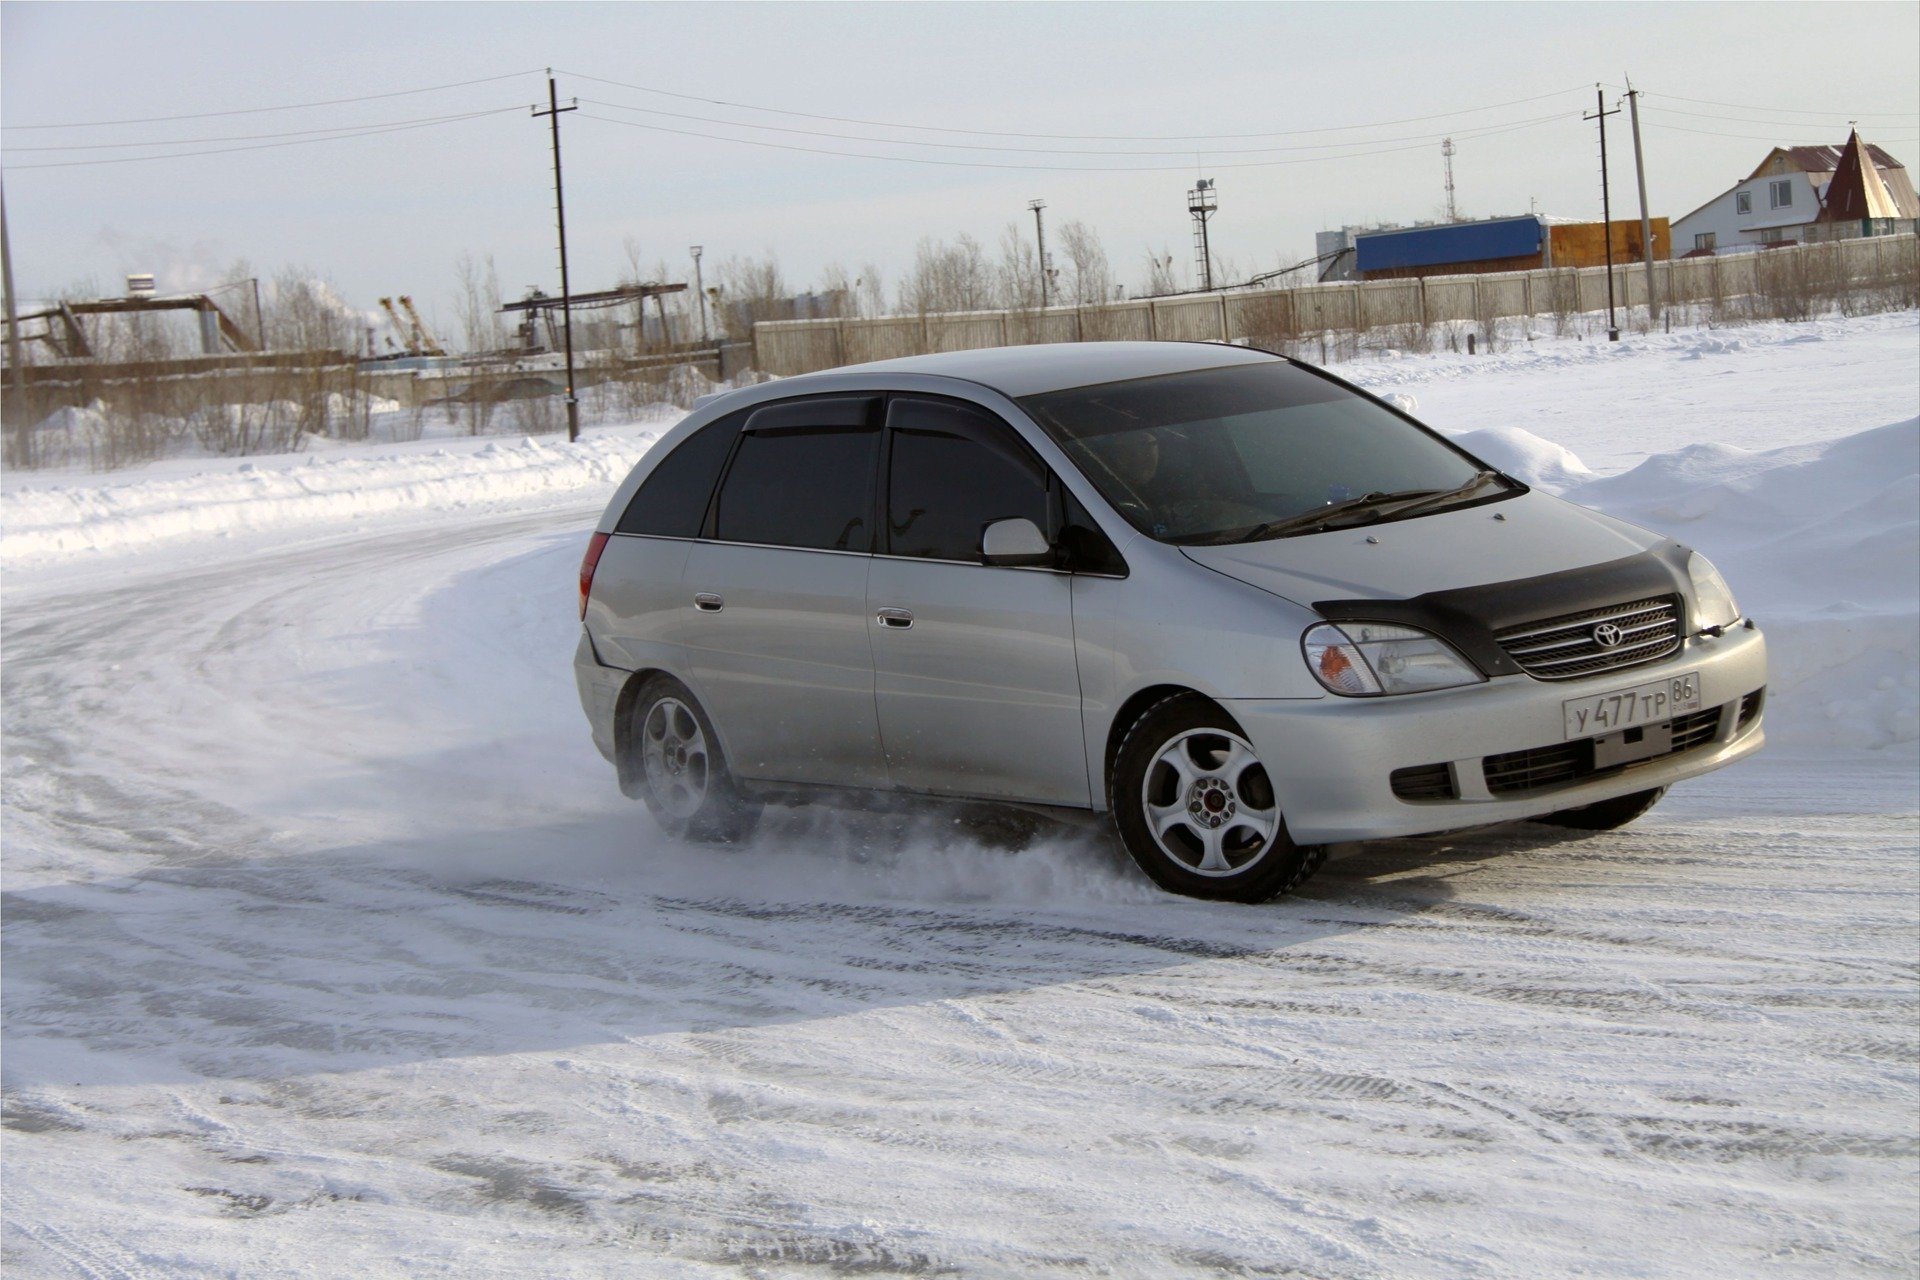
1448, 242
1857, 190
1819, 164
1821, 159
1031, 370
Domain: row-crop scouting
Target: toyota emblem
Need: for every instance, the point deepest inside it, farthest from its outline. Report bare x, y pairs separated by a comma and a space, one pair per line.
1608, 635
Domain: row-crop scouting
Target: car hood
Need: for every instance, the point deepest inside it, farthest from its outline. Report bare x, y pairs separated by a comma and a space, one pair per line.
1522, 537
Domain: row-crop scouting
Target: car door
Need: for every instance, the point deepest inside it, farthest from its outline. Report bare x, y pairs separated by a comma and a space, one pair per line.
776, 644
975, 675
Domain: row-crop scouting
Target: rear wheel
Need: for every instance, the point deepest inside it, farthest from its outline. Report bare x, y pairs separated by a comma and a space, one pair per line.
1196, 808
684, 778
1605, 815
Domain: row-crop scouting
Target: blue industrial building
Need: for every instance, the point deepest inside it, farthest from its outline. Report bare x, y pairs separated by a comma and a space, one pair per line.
1502, 244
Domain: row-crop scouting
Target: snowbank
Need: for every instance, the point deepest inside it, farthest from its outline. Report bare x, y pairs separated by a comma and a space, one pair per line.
1525, 456
1819, 531
1822, 545
315, 493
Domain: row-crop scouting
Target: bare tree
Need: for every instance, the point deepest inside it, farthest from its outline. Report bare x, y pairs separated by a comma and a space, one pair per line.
1160, 277
1019, 270
478, 305
751, 290
947, 277
481, 330
872, 287
304, 313
838, 292
1090, 277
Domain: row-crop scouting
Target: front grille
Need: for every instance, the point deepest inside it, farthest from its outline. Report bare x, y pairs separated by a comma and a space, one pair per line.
1563, 648
1538, 768
1695, 728
1424, 782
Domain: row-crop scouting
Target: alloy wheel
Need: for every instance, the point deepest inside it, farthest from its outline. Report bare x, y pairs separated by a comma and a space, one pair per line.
1209, 803
673, 751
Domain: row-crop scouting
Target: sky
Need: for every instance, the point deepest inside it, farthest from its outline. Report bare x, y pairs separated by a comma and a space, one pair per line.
1358, 95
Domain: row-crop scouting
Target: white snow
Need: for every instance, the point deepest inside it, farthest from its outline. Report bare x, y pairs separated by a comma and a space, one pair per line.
331, 948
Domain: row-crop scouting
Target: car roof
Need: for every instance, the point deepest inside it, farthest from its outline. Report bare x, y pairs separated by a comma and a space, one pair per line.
1040, 367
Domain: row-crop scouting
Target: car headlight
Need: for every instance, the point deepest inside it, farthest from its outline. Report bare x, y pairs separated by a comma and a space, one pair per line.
1713, 603
1365, 659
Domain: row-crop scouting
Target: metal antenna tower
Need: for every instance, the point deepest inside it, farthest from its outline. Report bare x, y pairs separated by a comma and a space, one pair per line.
1202, 203
1446, 152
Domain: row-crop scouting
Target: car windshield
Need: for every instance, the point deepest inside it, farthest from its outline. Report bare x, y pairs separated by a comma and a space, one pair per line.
1251, 451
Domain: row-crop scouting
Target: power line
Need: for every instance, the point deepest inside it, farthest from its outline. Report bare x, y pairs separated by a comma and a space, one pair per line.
246, 137
1090, 151
292, 106
1055, 168
1755, 137
1783, 111
1789, 124
265, 146
1068, 137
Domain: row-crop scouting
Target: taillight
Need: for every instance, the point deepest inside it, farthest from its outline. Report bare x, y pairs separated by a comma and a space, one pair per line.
587, 566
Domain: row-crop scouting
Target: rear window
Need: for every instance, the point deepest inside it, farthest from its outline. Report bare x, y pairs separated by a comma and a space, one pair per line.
801, 487
672, 500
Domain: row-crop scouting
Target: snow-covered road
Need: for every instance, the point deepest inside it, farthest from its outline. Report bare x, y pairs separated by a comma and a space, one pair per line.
330, 950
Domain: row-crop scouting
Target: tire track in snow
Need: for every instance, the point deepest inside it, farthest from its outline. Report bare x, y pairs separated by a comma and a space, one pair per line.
766, 1059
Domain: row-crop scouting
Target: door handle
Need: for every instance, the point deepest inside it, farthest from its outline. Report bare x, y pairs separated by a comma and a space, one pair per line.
707, 602
898, 619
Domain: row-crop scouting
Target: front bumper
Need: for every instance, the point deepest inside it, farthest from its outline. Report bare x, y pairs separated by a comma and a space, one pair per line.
1331, 758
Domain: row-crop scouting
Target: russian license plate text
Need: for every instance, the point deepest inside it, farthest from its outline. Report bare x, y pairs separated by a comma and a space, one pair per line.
1600, 713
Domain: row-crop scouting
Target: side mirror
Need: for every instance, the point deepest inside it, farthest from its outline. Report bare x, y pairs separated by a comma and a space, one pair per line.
1015, 542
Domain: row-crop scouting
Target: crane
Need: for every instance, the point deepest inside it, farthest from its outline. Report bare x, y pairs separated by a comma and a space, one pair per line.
420, 339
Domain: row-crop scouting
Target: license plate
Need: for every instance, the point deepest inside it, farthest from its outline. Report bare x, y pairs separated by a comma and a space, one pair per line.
1604, 713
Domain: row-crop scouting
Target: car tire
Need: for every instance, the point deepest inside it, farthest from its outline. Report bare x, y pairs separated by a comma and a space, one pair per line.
1605, 815
682, 772
1196, 809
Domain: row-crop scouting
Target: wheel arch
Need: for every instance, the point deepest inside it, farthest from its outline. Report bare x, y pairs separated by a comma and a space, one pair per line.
626, 762
1138, 704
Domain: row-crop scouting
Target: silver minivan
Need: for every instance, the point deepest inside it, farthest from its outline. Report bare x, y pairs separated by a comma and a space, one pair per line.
1241, 605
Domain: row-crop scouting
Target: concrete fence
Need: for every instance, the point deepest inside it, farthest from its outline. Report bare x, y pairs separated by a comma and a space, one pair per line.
1269, 317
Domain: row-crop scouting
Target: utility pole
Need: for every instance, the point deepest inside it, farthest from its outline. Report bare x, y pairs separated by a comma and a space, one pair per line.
19, 443
1646, 220
1040, 234
560, 213
1601, 113
700, 289
1446, 153
14, 364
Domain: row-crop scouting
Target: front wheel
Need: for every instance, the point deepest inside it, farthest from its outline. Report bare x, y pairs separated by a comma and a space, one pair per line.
1196, 808
684, 778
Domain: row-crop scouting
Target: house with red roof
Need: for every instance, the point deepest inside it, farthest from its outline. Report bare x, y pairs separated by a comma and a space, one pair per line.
1786, 197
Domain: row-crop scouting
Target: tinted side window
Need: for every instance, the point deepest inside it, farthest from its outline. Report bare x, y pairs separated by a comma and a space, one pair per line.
955, 470
672, 500
802, 487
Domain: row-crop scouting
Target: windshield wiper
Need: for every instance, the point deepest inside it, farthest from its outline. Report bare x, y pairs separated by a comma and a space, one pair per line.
1479, 481
1379, 504
1333, 510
